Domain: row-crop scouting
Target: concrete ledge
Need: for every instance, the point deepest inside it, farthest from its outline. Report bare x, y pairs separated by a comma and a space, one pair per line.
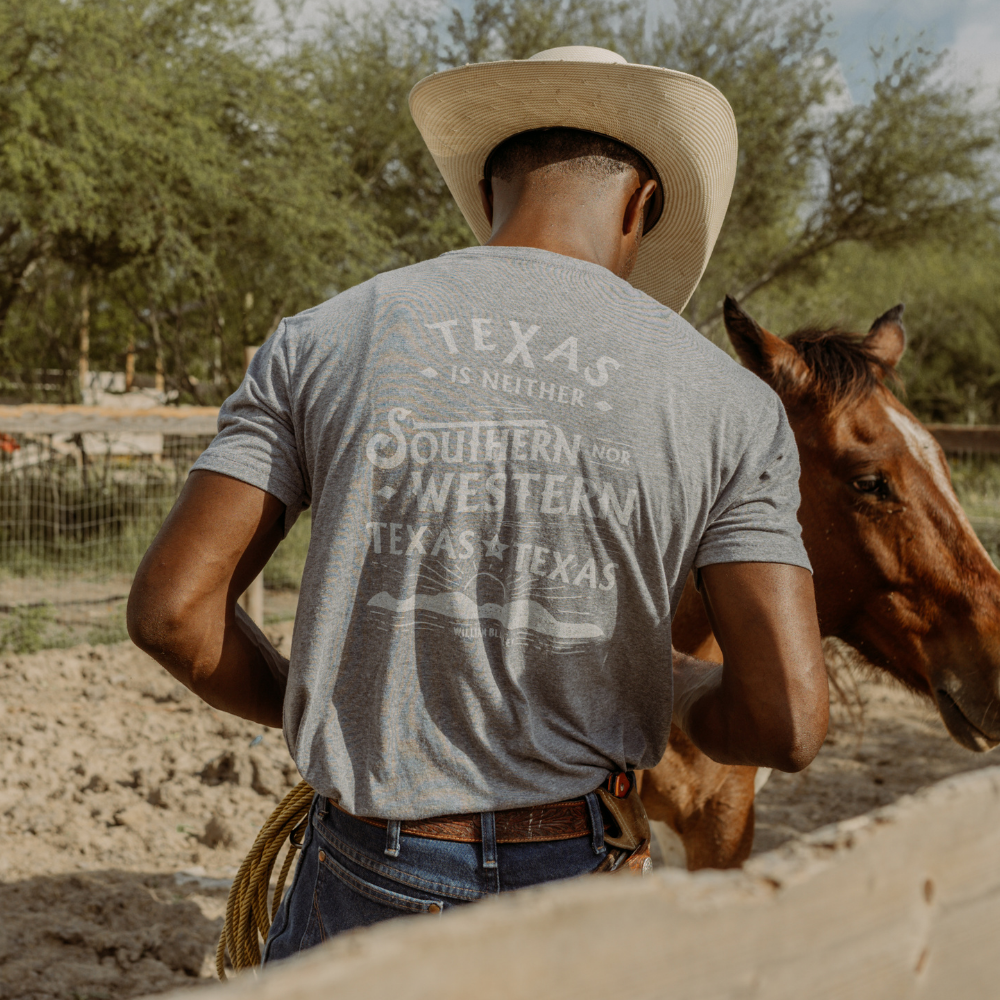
901, 902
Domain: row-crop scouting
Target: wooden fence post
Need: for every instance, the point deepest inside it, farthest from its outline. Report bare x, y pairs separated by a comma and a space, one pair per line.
958, 439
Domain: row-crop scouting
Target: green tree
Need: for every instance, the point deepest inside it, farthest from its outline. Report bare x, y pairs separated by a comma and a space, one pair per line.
102, 160
517, 29
361, 70
815, 171
158, 159
184, 175
951, 368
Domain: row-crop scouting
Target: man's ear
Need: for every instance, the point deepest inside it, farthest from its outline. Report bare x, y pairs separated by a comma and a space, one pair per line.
887, 338
766, 355
637, 207
486, 197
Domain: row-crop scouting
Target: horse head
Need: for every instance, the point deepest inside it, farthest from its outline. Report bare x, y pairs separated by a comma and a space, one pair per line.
900, 574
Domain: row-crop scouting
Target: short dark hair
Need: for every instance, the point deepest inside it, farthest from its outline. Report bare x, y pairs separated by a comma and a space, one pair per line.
579, 151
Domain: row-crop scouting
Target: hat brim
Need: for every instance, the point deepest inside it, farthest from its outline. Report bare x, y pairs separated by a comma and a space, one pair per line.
681, 124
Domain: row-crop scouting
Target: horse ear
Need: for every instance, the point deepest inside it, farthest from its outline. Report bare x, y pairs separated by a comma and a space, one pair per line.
766, 355
887, 338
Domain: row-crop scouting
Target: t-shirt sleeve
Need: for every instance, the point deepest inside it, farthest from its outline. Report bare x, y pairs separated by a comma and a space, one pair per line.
755, 517
256, 442
276, 663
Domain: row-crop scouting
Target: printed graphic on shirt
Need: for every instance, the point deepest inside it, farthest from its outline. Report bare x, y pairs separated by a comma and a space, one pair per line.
506, 525
524, 613
516, 373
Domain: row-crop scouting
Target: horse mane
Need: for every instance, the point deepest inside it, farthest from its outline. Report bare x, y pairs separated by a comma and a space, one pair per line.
843, 367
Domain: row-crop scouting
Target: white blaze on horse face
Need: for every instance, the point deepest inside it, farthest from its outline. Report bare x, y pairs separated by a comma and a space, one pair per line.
922, 446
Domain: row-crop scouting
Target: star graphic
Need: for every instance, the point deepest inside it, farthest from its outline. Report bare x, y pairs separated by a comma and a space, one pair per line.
495, 548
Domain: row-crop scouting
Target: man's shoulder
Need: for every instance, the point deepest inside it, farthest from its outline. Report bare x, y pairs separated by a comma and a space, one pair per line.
705, 367
328, 315
360, 302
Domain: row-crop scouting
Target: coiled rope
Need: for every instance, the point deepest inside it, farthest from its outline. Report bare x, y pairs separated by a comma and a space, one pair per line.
246, 908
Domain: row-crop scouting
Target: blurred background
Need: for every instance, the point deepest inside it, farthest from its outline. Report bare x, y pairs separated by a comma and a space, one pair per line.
178, 175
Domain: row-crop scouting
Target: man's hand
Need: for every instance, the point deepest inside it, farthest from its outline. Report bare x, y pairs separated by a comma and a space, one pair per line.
182, 607
768, 703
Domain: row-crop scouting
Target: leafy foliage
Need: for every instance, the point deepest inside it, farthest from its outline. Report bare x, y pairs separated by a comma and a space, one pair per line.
951, 368
155, 157
769, 59
517, 29
188, 174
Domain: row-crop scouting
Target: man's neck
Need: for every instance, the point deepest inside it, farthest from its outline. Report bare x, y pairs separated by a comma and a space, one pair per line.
569, 228
544, 231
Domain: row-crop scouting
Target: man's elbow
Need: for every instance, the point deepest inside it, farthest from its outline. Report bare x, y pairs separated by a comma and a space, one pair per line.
796, 749
806, 719
139, 619
796, 758
161, 625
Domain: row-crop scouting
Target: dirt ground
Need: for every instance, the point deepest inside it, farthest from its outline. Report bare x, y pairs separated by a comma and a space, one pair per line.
126, 806
884, 742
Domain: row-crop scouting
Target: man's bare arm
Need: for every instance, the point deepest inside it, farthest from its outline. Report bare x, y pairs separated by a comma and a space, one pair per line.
768, 703
182, 607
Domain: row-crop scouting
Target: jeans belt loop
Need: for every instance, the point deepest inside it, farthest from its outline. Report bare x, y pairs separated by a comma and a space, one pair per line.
392, 838
596, 823
489, 833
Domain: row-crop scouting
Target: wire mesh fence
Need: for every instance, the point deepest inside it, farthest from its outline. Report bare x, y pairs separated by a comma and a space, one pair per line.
87, 505
83, 490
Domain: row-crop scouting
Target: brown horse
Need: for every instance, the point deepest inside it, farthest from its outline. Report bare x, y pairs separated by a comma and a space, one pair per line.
899, 573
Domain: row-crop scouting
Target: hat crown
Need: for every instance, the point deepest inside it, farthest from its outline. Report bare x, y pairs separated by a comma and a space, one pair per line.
578, 53
681, 125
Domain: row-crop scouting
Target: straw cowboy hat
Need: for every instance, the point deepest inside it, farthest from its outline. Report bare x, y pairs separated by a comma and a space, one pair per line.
681, 125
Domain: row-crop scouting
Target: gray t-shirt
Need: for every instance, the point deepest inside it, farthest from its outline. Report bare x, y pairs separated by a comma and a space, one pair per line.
513, 459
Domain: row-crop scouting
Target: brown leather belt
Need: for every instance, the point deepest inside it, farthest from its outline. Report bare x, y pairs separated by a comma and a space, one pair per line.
559, 821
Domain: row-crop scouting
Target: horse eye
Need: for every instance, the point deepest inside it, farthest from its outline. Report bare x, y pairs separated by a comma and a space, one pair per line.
871, 485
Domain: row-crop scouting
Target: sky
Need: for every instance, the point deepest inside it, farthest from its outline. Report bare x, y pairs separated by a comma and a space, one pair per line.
970, 29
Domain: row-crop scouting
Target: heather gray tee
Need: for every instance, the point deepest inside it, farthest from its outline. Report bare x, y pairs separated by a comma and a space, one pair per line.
513, 460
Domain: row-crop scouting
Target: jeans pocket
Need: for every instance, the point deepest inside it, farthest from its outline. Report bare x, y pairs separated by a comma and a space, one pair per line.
343, 899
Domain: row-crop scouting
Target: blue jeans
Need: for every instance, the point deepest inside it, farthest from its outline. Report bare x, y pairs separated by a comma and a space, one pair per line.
352, 874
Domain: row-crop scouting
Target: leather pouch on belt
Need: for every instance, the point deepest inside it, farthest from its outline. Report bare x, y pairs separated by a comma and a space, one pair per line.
628, 847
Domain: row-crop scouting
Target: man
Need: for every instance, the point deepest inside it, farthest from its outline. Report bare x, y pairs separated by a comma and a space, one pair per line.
514, 458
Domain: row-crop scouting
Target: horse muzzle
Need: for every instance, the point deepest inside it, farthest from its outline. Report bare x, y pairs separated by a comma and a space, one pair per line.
958, 712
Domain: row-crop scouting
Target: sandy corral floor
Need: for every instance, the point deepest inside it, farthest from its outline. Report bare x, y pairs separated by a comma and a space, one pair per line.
126, 805
884, 742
